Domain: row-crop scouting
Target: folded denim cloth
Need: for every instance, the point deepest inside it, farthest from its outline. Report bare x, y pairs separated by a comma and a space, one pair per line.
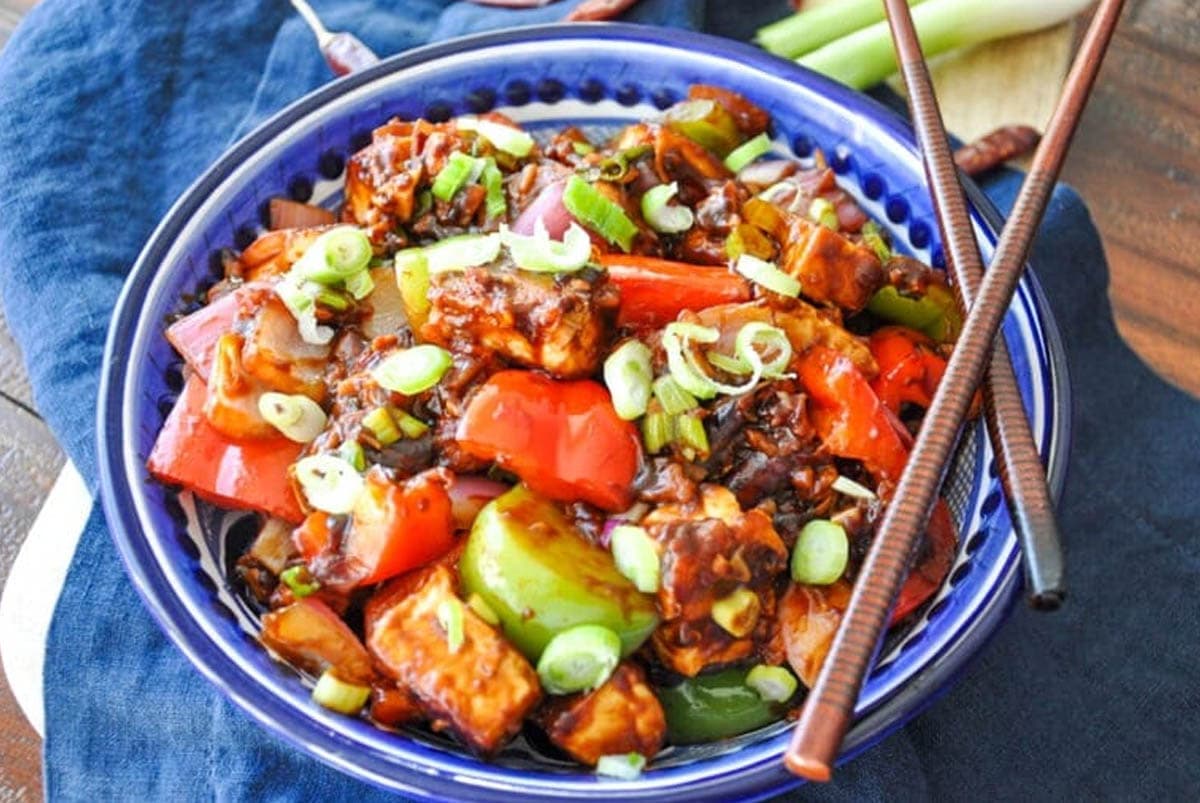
109, 110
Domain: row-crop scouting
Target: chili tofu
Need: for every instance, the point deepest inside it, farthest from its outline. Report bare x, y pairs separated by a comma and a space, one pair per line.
620, 716
481, 691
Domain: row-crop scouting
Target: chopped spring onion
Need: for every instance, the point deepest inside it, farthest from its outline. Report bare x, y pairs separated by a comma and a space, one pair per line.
706, 123
616, 167
600, 214
450, 617
410, 425
335, 256
624, 766
767, 275
821, 210
380, 423
672, 397
299, 296
658, 430
329, 483
662, 217
333, 299
636, 556
872, 237
689, 431
511, 140
627, 373
821, 553
454, 174
582, 148
482, 609
493, 184
299, 418
299, 581
539, 253
847, 486
773, 683
677, 339
413, 370
730, 365
579, 659
337, 695
454, 253
770, 338
737, 613
352, 452
360, 284
747, 152
412, 277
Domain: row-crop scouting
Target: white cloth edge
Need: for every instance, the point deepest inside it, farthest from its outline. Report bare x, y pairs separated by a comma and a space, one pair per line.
34, 584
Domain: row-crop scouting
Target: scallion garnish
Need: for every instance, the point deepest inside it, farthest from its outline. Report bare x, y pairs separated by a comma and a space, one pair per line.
412, 277
672, 397
689, 432
453, 175
600, 214
493, 183
677, 339
360, 284
579, 659
627, 373
624, 766
413, 370
337, 695
539, 253
299, 296
410, 425
658, 430
299, 581
450, 617
756, 339
352, 452
767, 275
382, 426
730, 365
845, 485
454, 253
872, 237
329, 483
299, 418
822, 211
636, 556
335, 256
747, 152
512, 141
662, 217
773, 683
821, 553
737, 612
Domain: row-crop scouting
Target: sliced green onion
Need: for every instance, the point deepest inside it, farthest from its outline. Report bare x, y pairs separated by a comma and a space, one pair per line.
706, 123
689, 431
360, 285
413, 370
299, 581
627, 373
672, 397
737, 613
455, 253
847, 486
685, 369
337, 695
658, 429
730, 365
409, 424
335, 256
579, 659
450, 617
821, 553
766, 274
822, 211
624, 766
582, 148
511, 140
661, 217
773, 683
299, 418
756, 338
493, 183
616, 167
453, 175
333, 299
872, 237
412, 277
747, 152
379, 423
600, 214
539, 253
352, 452
636, 556
329, 483
299, 296
482, 609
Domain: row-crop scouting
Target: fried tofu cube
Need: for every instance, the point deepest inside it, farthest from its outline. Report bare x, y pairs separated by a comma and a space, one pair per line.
480, 691
621, 716
830, 268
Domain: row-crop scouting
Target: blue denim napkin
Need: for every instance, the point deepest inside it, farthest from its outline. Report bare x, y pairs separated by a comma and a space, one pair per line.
108, 110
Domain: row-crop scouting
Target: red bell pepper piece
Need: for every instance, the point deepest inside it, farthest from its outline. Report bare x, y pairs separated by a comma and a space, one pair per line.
927, 575
654, 291
393, 528
563, 439
910, 367
849, 417
249, 474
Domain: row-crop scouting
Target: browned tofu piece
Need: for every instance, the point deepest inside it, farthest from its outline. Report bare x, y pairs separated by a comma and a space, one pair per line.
708, 551
621, 716
830, 268
560, 325
481, 692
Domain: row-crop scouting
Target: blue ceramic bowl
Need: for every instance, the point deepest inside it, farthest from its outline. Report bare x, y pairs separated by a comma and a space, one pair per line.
179, 553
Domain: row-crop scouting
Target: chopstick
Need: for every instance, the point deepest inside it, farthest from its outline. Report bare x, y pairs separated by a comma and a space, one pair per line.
1021, 472
829, 708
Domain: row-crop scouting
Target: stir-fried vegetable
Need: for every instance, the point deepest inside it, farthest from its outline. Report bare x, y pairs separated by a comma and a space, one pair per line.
716, 706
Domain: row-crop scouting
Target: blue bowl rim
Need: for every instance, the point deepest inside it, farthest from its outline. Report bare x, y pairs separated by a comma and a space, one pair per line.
123, 520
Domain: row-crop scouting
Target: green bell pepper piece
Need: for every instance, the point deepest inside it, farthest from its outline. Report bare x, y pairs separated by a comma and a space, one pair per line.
706, 123
933, 313
542, 577
711, 707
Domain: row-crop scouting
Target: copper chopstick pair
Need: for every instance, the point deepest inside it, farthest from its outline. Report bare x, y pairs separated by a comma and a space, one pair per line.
829, 708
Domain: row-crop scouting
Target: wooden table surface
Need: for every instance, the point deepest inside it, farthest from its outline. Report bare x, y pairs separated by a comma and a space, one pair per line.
1136, 161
